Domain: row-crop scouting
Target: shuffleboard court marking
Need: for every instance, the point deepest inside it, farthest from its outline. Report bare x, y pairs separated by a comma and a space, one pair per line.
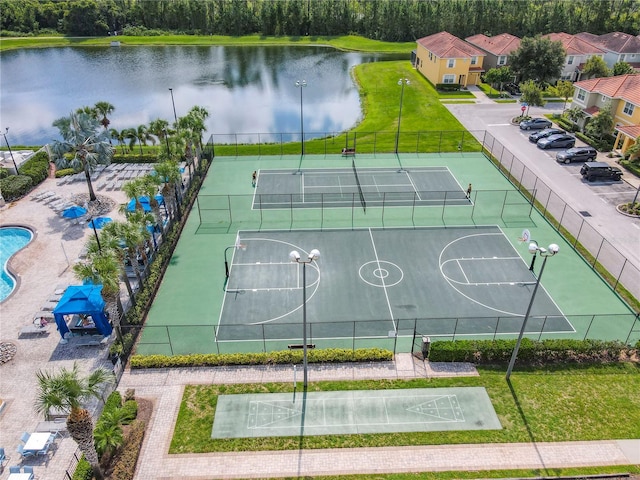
427, 409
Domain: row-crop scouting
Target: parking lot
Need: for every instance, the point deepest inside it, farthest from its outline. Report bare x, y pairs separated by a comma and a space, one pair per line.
596, 199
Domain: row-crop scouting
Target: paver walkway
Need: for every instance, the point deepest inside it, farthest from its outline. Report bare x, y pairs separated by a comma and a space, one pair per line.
165, 387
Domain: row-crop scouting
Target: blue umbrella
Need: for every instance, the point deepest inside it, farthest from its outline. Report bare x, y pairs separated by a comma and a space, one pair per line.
144, 201
99, 222
74, 212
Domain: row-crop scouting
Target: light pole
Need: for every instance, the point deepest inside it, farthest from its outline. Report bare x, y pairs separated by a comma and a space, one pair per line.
402, 82
9, 147
95, 232
534, 249
166, 139
295, 258
301, 84
175, 117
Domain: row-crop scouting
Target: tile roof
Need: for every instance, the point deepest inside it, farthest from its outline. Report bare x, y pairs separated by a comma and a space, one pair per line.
617, 42
502, 44
591, 111
445, 45
625, 87
632, 131
574, 45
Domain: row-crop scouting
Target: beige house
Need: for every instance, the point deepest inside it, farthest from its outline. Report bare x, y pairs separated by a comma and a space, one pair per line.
623, 92
497, 48
578, 51
618, 47
444, 58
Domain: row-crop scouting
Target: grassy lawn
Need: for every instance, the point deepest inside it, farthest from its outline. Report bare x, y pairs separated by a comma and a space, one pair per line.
557, 472
347, 42
570, 404
422, 111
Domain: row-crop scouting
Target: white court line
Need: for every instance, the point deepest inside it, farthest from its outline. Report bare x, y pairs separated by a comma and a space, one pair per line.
462, 270
414, 187
302, 187
384, 287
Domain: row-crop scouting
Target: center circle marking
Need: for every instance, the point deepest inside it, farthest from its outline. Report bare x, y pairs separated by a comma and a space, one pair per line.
380, 273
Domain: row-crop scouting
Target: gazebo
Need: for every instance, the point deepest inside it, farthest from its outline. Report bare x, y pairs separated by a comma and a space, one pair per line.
85, 301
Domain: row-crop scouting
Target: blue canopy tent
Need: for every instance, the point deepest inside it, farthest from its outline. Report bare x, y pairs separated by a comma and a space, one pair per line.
82, 300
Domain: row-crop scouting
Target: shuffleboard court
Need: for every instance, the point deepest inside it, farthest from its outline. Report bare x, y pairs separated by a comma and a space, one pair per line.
312, 188
378, 278
353, 412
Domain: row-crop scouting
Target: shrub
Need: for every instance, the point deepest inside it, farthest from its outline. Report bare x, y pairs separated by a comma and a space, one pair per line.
37, 167
83, 470
64, 172
134, 158
114, 402
329, 355
531, 352
567, 125
4, 172
125, 464
129, 412
448, 87
15, 186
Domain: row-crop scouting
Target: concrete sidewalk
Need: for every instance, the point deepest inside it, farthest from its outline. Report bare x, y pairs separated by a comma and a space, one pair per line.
165, 388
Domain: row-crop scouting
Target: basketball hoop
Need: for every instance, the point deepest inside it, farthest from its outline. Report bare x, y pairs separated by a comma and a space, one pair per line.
525, 236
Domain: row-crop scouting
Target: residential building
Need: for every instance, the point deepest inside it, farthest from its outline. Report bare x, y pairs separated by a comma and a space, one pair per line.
623, 92
618, 47
578, 51
444, 58
497, 48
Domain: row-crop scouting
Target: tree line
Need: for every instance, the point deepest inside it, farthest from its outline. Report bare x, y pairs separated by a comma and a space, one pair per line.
387, 20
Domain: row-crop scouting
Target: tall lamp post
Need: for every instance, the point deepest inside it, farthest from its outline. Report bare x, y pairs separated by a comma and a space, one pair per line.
9, 147
534, 249
174, 107
95, 232
295, 258
301, 84
402, 82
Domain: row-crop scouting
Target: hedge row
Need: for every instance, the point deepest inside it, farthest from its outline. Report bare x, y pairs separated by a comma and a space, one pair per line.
30, 173
134, 158
329, 355
531, 352
566, 124
125, 467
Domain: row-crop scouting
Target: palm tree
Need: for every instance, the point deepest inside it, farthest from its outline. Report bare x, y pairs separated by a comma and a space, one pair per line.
103, 268
142, 135
119, 136
133, 189
110, 239
169, 173
68, 391
104, 109
149, 185
83, 139
158, 127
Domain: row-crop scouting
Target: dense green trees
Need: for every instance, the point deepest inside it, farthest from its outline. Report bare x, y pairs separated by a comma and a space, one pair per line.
391, 20
538, 59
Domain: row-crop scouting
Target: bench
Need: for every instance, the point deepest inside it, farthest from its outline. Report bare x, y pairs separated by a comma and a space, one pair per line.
348, 152
33, 329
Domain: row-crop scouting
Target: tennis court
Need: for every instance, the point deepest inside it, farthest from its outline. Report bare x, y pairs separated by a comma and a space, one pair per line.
369, 187
354, 412
380, 277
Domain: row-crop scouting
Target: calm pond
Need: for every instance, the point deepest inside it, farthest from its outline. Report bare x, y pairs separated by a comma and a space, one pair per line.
245, 89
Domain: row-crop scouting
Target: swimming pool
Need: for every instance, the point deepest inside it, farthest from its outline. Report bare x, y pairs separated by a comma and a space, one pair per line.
12, 239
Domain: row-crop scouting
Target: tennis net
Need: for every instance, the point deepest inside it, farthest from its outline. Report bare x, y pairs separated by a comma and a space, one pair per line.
355, 173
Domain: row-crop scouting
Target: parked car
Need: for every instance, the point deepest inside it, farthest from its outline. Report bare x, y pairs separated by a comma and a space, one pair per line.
534, 137
512, 88
600, 171
577, 154
559, 140
535, 124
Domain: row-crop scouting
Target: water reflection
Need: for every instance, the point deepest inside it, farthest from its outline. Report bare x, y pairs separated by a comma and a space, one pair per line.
245, 89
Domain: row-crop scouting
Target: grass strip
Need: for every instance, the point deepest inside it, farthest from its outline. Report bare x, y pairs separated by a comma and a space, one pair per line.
550, 405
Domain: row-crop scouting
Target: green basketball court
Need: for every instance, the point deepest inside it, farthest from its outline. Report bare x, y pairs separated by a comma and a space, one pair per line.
403, 250
354, 412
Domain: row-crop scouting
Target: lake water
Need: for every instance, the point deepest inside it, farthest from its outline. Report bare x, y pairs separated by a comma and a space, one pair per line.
245, 89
